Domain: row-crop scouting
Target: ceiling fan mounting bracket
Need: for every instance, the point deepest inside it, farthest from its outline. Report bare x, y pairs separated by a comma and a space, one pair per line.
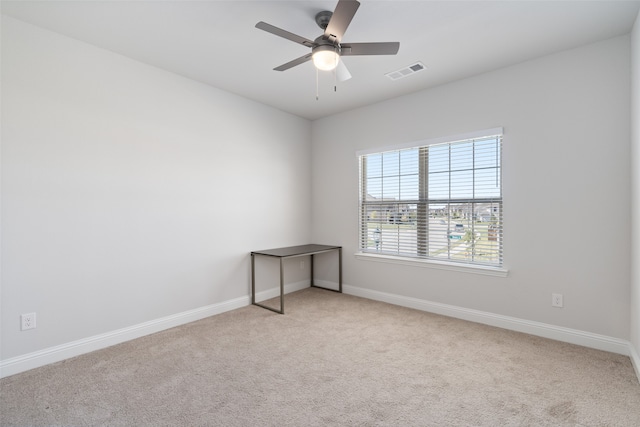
323, 18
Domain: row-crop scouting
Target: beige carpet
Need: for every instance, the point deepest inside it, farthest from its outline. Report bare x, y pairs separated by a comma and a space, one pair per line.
332, 360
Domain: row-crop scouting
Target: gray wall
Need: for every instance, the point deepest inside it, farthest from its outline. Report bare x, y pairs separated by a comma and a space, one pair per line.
566, 186
129, 193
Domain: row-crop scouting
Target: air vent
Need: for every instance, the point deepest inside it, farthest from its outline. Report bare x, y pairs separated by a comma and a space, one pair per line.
407, 71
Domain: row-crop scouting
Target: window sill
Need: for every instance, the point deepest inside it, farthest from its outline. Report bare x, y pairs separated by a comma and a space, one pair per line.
428, 263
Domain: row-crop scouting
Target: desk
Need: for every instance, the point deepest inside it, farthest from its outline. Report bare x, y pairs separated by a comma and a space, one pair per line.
292, 252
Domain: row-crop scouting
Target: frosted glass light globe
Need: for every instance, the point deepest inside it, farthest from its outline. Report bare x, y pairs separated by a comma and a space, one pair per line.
326, 60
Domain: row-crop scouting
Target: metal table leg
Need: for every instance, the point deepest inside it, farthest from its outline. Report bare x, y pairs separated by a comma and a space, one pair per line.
253, 287
281, 286
340, 270
339, 274
253, 279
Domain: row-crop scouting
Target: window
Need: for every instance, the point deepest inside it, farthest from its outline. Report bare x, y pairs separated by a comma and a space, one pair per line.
439, 201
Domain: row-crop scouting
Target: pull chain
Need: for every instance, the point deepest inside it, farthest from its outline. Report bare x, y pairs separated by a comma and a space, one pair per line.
335, 79
335, 76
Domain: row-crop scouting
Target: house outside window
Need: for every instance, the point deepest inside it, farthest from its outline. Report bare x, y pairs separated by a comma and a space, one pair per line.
439, 201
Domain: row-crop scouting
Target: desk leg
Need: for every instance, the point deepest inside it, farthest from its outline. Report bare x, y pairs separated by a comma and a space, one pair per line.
339, 274
281, 286
253, 287
340, 270
253, 279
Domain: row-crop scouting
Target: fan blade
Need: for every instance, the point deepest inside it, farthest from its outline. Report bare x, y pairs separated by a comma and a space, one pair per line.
285, 34
385, 48
340, 20
342, 73
293, 63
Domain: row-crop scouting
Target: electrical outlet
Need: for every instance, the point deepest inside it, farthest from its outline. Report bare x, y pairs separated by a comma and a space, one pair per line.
28, 321
556, 300
301, 265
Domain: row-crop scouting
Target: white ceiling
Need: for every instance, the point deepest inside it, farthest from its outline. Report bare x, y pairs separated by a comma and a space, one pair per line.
215, 42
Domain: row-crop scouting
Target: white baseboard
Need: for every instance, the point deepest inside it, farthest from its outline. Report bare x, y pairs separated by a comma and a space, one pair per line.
49, 355
635, 359
275, 292
573, 336
39, 358
327, 284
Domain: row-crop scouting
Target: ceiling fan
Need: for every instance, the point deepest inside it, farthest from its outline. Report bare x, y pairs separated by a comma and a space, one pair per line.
327, 49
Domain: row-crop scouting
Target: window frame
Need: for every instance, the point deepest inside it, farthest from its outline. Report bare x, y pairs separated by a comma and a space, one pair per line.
424, 260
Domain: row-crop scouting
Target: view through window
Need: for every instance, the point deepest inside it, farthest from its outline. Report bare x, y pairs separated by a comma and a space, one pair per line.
440, 201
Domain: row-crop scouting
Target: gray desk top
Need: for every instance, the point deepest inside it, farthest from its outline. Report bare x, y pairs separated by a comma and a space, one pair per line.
296, 250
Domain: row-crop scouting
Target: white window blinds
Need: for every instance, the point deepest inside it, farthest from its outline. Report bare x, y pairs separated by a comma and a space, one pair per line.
440, 201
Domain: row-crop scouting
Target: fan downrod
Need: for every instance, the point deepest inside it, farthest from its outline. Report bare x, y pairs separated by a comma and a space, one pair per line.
323, 18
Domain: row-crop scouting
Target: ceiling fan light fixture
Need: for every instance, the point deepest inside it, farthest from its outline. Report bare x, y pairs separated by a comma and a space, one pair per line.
325, 58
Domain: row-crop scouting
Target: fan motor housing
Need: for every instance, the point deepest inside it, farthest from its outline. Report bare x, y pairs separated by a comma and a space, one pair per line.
328, 46
322, 43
